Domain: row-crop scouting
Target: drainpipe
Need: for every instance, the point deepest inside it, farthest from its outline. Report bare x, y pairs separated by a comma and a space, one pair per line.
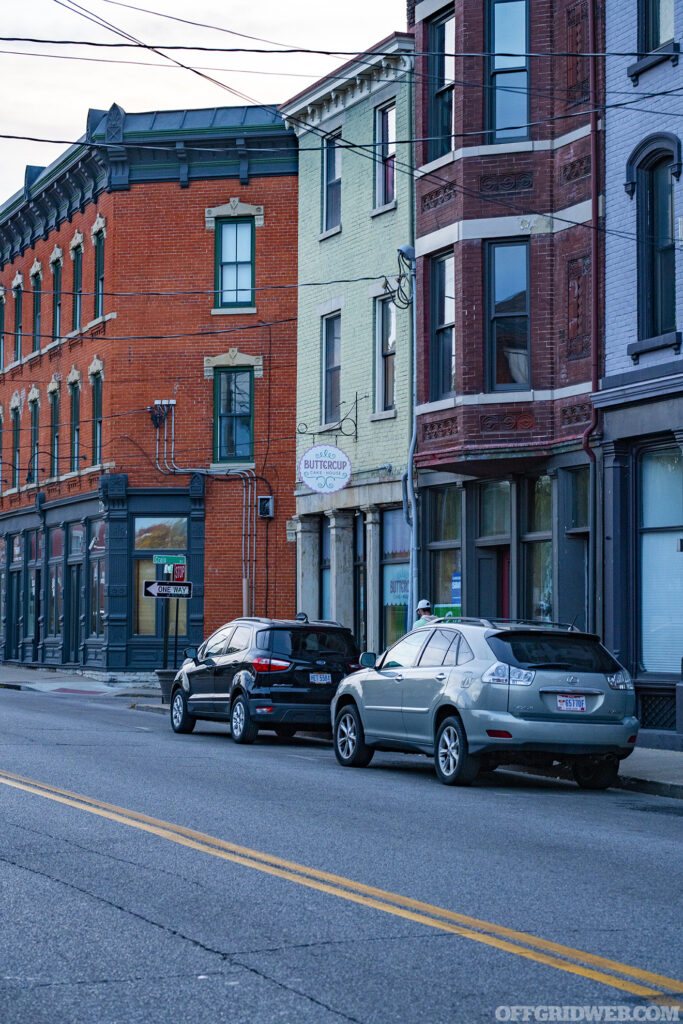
408, 254
595, 314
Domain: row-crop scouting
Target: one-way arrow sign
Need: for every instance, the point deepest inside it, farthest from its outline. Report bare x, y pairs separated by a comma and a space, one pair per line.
153, 588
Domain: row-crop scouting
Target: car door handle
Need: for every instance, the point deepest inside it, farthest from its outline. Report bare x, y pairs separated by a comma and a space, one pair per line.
398, 677
441, 676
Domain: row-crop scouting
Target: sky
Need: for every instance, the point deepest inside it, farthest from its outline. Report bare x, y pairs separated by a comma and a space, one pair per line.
48, 91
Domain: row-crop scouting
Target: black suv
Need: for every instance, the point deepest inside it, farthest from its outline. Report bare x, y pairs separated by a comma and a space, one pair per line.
264, 674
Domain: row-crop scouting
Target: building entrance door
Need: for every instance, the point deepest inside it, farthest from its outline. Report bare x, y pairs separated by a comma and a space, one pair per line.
74, 628
493, 581
14, 609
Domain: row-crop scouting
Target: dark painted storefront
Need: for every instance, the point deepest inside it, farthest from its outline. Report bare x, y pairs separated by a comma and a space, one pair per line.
72, 575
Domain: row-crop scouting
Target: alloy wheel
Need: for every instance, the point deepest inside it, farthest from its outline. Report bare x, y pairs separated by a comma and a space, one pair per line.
449, 751
238, 719
347, 736
177, 710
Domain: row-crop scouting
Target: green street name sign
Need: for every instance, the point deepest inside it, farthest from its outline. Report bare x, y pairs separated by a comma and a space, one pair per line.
169, 559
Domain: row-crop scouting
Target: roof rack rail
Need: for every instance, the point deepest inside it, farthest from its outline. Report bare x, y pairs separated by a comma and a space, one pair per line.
539, 623
468, 620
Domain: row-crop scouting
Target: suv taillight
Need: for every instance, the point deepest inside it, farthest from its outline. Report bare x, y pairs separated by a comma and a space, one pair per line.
500, 673
270, 664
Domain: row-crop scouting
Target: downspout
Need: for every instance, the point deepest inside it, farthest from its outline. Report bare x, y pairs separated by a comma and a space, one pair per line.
595, 310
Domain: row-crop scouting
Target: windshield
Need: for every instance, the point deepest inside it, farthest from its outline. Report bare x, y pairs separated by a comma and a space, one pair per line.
570, 652
310, 644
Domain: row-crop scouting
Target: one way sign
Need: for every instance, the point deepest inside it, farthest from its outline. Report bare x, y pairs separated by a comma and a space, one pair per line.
154, 588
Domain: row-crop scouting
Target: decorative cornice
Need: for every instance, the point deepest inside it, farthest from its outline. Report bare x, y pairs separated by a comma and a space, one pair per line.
3, 293
54, 384
56, 256
235, 208
33, 396
18, 281
232, 358
36, 269
15, 402
74, 378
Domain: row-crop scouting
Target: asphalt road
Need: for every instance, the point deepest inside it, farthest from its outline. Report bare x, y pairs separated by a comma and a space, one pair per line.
107, 917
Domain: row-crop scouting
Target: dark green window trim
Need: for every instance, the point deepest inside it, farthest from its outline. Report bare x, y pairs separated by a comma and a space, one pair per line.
56, 300
99, 274
96, 420
75, 426
37, 310
77, 302
16, 428
228, 267
54, 433
2, 334
18, 316
229, 424
32, 474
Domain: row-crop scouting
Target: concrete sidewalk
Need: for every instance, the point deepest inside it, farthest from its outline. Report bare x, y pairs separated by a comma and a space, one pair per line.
46, 680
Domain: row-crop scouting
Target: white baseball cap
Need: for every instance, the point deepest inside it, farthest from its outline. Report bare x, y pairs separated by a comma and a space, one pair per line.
421, 605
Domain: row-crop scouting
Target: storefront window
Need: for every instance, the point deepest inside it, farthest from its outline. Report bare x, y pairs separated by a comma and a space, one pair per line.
160, 532
359, 569
96, 549
55, 588
76, 539
661, 561
145, 610
580, 489
395, 575
494, 517
537, 546
445, 505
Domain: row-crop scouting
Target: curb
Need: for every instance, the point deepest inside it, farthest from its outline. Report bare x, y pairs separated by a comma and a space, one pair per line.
672, 790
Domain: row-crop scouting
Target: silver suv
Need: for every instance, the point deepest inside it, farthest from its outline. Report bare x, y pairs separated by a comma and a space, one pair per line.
477, 693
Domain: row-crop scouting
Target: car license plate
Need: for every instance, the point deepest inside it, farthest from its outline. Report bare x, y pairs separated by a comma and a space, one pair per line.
567, 703
321, 677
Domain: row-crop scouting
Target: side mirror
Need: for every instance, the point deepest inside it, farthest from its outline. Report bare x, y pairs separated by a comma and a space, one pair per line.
209, 662
190, 652
368, 659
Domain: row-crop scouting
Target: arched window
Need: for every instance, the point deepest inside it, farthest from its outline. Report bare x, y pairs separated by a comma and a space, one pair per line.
651, 171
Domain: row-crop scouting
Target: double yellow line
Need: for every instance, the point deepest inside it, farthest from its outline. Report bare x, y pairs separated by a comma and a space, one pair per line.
657, 988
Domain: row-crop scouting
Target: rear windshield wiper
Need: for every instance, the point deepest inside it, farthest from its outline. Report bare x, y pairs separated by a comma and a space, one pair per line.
556, 664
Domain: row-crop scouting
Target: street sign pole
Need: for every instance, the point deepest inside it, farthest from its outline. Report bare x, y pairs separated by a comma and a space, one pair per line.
175, 647
165, 665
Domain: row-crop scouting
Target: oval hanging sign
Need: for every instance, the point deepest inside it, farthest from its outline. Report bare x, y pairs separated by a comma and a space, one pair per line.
325, 468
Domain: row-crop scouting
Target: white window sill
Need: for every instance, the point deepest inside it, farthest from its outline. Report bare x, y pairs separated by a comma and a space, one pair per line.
232, 310
11, 490
30, 356
10, 366
84, 328
223, 467
379, 210
329, 233
385, 414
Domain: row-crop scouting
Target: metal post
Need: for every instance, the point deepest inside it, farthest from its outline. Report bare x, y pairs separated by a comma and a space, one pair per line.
165, 664
175, 646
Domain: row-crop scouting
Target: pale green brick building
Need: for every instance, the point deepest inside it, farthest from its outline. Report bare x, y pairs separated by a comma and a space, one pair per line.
354, 343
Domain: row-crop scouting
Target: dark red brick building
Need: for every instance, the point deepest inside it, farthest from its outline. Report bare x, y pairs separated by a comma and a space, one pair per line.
505, 247
147, 384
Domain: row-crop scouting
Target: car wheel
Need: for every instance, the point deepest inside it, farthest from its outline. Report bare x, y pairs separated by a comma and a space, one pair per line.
181, 719
349, 739
596, 772
241, 726
285, 732
455, 766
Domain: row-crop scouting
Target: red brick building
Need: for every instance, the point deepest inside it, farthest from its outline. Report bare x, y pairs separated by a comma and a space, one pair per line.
506, 249
147, 383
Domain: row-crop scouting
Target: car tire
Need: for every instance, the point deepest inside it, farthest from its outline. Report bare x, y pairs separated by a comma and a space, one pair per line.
454, 764
596, 772
350, 747
285, 732
181, 719
242, 728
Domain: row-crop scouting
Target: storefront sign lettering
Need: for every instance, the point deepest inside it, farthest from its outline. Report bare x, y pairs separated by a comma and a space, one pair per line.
325, 468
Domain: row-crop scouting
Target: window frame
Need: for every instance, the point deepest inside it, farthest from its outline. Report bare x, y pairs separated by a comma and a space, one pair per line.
530, 537
385, 356
3, 302
385, 154
18, 293
491, 316
648, 26
75, 427
495, 135
439, 327
77, 297
650, 317
330, 368
56, 268
441, 90
330, 143
217, 374
96, 383
98, 243
54, 433
35, 441
16, 447
37, 289
219, 263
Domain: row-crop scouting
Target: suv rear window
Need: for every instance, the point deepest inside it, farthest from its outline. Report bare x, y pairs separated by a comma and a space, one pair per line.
570, 652
309, 644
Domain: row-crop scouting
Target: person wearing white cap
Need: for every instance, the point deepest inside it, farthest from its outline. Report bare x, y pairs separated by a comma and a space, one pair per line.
424, 614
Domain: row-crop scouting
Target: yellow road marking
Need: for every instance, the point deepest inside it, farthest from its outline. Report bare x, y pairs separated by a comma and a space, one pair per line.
518, 943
